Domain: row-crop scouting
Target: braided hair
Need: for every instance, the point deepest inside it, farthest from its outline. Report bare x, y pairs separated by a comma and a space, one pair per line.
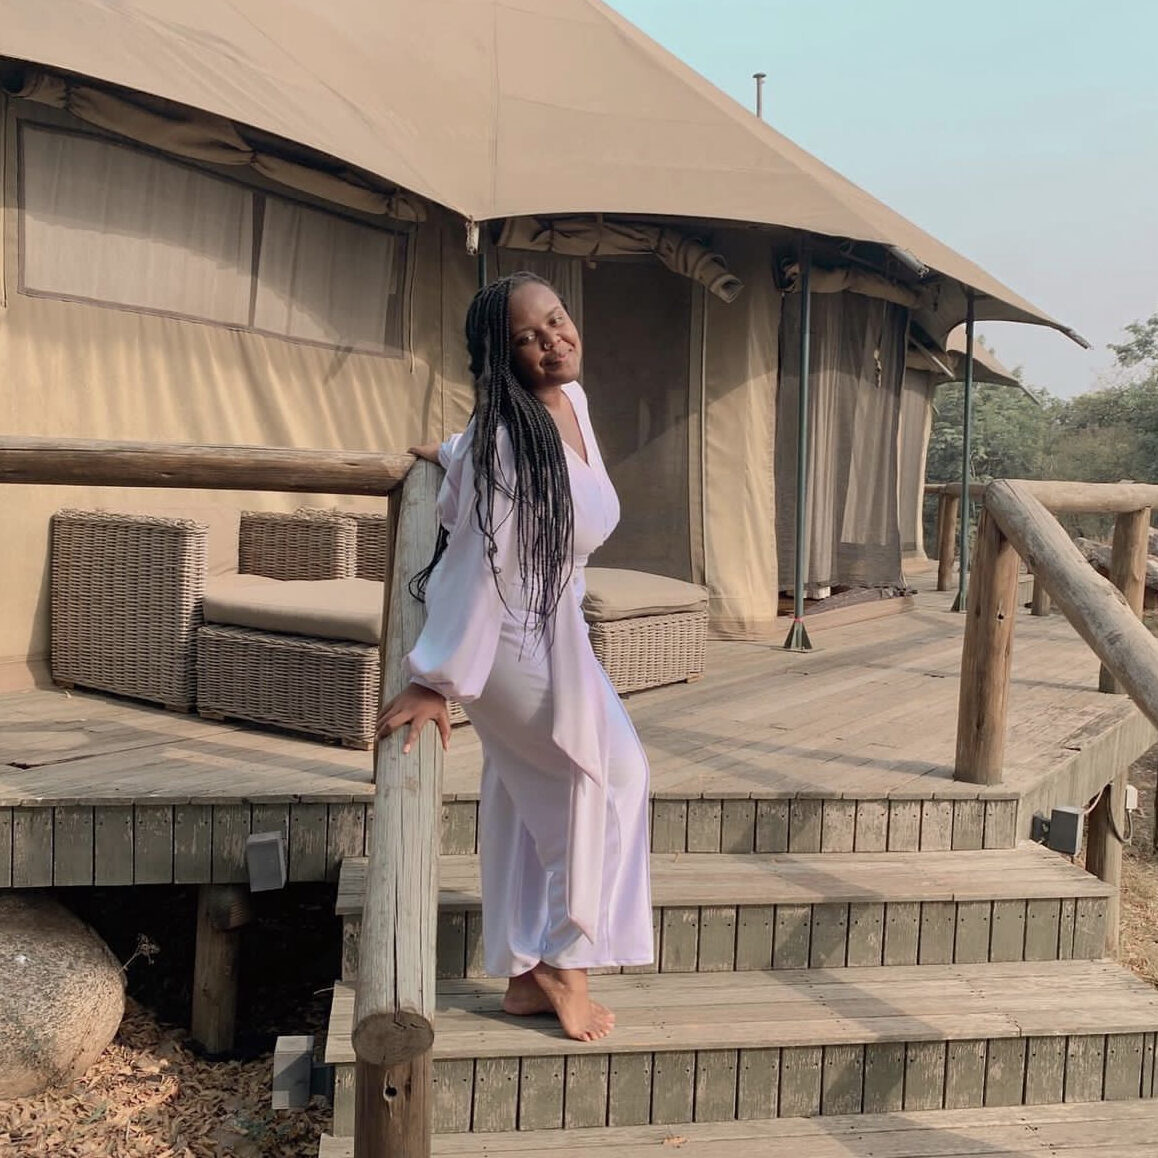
540, 491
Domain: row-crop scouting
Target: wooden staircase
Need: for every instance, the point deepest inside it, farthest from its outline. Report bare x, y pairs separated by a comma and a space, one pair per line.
834, 1003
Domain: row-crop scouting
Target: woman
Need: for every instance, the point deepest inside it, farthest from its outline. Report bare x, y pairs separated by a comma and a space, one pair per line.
563, 842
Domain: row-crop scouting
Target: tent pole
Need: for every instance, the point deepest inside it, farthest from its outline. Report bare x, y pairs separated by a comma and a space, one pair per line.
797, 635
966, 440
482, 265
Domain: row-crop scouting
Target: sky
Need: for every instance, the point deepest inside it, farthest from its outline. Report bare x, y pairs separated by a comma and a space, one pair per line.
1023, 133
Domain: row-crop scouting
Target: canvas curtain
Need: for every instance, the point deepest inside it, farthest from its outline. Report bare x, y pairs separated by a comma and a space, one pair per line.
916, 422
857, 361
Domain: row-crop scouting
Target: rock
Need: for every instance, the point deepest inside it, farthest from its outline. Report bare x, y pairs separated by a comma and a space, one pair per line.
61, 998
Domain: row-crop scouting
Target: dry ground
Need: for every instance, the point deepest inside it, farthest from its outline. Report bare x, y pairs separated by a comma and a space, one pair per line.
152, 1096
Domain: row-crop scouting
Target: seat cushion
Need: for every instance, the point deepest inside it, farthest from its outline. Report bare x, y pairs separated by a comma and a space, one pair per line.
348, 609
613, 593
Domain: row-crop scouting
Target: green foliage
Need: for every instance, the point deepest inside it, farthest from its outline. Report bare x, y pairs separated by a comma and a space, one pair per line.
1143, 344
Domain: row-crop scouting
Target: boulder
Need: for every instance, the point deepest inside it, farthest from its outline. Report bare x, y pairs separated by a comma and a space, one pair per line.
61, 998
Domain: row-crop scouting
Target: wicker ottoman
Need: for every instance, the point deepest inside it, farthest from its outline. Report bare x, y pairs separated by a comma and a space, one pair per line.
646, 630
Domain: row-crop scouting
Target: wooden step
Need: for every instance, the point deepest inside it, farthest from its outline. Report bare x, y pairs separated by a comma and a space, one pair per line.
1081, 1130
703, 818
814, 910
707, 1047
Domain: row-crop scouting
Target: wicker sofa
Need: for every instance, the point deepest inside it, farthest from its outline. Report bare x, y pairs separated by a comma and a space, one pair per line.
148, 606
127, 589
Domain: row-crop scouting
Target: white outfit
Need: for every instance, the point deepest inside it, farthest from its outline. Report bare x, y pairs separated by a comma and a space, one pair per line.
563, 841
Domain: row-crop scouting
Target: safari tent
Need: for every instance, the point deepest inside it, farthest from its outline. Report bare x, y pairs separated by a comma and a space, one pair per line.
260, 224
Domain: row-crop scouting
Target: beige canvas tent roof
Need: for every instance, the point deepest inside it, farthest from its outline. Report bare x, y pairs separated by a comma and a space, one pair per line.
493, 108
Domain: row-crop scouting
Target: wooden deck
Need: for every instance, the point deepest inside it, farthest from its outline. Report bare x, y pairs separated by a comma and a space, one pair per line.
847, 747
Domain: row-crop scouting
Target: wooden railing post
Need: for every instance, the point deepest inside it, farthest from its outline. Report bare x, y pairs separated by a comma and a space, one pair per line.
394, 1005
1040, 606
1104, 849
1128, 573
986, 657
948, 508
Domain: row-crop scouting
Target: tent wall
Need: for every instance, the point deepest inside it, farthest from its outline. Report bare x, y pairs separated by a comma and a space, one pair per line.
857, 364
916, 424
74, 369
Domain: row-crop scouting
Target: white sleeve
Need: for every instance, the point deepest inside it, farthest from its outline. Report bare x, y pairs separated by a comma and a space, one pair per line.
446, 450
464, 608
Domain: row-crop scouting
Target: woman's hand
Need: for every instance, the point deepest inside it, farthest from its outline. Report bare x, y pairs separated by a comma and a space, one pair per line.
428, 451
417, 706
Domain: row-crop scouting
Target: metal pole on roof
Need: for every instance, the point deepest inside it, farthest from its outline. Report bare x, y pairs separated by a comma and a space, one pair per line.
797, 635
966, 440
758, 77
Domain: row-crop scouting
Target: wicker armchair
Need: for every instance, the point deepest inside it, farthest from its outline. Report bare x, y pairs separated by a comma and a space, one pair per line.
128, 589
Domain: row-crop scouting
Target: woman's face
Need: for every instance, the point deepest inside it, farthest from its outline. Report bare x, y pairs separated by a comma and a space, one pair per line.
545, 346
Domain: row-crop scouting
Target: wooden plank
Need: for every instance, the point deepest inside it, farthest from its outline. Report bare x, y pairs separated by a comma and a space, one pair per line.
772, 826
805, 823
541, 1093
716, 1085
872, 826
271, 816
968, 824
496, 1094
1042, 927
1085, 1065
936, 825
679, 940
971, 940
866, 933
1148, 1052
902, 933
192, 844
72, 851
475, 950
925, 1075
307, 842
629, 1089
351, 946
451, 944
884, 1077
230, 831
790, 946
754, 933
32, 848
1000, 823
451, 1090
1007, 934
704, 825
215, 974
938, 930
838, 826
801, 1076
1045, 1070
669, 826
459, 824
673, 1086
345, 835
1005, 1072
965, 1074
345, 1101
717, 949
113, 845
1089, 928
828, 944
1065, 948
842, 1085
758, 1084
153, 844
738, 826
585, 1091
5, 848
1123, 1075
904, 825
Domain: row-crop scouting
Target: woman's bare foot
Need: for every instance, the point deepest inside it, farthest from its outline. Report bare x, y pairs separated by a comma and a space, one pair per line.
566, 991
524, 998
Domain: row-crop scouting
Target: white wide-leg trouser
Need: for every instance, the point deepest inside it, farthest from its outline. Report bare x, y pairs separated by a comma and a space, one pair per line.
524, 815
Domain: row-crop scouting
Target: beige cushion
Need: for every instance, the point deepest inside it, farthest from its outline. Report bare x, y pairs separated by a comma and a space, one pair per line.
617, 594
348, 609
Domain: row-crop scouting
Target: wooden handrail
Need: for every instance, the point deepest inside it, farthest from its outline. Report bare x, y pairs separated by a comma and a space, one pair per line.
1072, 498
88, 462
394, 1005
1016, 520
